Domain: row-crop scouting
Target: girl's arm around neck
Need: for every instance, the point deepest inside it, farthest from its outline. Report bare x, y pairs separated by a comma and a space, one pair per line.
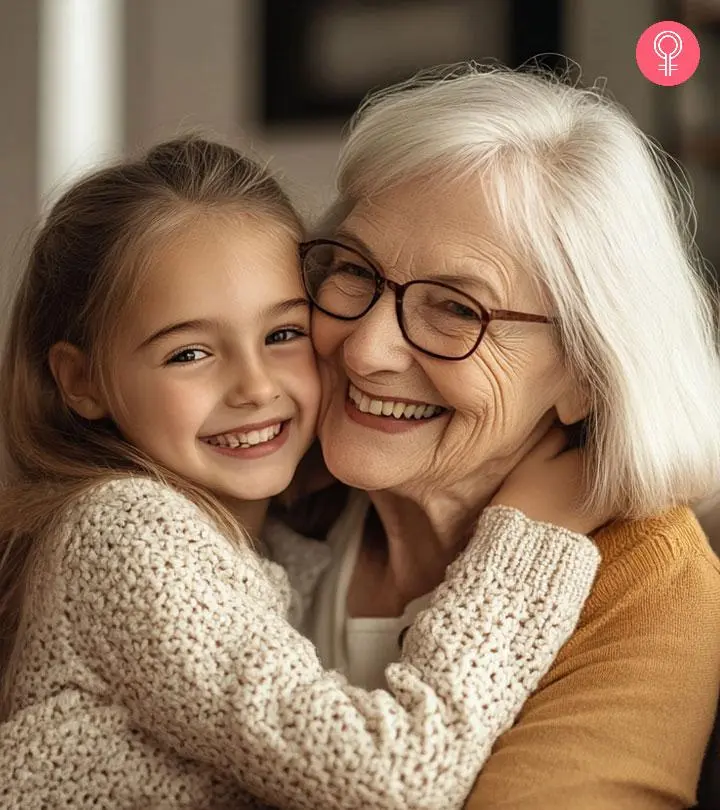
190, 637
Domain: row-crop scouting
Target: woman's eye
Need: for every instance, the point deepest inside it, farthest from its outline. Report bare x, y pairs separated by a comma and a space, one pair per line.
357, 270
285, 335
188, 356
461, 310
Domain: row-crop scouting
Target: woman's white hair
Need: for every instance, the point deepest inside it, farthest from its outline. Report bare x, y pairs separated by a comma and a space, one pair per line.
595, 213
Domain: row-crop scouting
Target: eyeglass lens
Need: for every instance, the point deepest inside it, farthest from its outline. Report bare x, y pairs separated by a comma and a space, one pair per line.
435, 318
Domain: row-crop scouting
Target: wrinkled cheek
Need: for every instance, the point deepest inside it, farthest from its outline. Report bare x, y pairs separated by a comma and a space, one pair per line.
477, 433
465, 434
496, 397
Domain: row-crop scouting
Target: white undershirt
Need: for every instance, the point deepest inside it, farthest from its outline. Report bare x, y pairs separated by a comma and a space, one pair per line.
359, 647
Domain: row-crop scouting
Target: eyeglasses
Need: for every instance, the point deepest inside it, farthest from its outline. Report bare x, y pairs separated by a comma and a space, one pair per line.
434, 317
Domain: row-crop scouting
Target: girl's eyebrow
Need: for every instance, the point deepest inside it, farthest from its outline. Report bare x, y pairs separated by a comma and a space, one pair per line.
210, 324
196, 325
283, 307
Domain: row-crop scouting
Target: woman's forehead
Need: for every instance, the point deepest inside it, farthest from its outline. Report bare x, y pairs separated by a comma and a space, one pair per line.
446, 232
448, 215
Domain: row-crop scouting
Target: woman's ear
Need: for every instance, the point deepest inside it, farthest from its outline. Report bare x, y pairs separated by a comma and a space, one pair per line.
70, 368
573, 406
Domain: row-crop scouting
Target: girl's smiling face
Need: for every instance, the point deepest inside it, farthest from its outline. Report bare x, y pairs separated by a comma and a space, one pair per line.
213, 373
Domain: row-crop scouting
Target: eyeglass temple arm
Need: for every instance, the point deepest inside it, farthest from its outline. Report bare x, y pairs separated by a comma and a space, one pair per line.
510, 315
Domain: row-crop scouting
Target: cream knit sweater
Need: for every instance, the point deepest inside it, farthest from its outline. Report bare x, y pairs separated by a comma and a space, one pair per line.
159, 670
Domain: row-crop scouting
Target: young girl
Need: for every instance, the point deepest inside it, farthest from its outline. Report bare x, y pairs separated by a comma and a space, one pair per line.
158, 387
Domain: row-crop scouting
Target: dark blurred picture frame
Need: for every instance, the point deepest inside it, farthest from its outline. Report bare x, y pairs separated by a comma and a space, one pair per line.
321, 57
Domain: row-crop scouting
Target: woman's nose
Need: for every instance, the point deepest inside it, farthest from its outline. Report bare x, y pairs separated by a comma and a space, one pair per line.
375, 342
254, 386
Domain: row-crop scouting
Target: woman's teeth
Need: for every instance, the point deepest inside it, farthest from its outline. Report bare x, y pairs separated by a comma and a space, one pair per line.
387, 407
244, 440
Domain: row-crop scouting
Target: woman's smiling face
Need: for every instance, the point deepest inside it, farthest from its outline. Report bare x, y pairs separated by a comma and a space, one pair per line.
396, 418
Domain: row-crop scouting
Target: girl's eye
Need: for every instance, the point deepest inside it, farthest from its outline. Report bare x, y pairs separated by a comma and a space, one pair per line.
286, 335
188, 356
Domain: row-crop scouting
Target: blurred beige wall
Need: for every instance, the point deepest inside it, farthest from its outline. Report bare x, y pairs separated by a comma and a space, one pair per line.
18, 130
601, 36
196, 63
193, 63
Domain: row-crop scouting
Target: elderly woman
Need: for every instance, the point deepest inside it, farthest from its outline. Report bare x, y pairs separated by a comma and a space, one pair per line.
507, 252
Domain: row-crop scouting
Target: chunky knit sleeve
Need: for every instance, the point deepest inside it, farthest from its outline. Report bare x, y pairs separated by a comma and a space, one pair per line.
190, 636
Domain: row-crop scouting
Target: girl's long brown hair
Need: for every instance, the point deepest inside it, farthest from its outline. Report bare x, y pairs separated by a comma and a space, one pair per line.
86, 264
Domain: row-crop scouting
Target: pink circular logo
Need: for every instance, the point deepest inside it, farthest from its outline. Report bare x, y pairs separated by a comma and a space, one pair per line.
667, 53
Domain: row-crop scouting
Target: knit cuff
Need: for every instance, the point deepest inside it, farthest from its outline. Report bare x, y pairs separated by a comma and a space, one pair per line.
542, 559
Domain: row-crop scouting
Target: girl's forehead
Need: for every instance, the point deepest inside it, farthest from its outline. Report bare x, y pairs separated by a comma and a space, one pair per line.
230, 253
229, 274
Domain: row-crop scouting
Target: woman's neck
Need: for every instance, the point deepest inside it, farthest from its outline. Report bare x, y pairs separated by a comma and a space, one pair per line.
417, 543
424, 528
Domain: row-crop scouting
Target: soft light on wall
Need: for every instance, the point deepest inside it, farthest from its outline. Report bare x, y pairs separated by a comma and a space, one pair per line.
80, 89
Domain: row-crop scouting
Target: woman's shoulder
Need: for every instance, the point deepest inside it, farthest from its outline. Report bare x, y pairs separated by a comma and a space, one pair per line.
658, 546
655, 573
631, 697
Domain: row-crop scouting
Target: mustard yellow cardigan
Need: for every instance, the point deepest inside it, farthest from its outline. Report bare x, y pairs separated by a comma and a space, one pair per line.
621, 720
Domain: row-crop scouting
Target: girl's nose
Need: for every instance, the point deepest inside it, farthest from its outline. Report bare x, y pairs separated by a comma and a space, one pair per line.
255, 386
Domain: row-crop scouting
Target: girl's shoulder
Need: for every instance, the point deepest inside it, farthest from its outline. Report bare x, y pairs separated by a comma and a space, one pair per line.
135, 516
138, 529
129, 514
135, 506
139, 494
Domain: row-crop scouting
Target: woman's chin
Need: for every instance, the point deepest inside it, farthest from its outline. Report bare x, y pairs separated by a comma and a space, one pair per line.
361, 467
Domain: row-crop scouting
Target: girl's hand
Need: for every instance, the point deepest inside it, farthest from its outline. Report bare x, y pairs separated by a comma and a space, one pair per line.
548, 486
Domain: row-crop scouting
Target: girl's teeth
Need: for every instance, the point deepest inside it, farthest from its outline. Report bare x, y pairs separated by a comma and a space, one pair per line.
250, 439
398, 410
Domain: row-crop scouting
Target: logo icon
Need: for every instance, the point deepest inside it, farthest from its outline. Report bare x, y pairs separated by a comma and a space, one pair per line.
667, 53
669, 63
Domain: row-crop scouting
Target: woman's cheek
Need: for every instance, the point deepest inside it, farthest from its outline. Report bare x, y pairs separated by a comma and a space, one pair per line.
327, 334
308, 383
